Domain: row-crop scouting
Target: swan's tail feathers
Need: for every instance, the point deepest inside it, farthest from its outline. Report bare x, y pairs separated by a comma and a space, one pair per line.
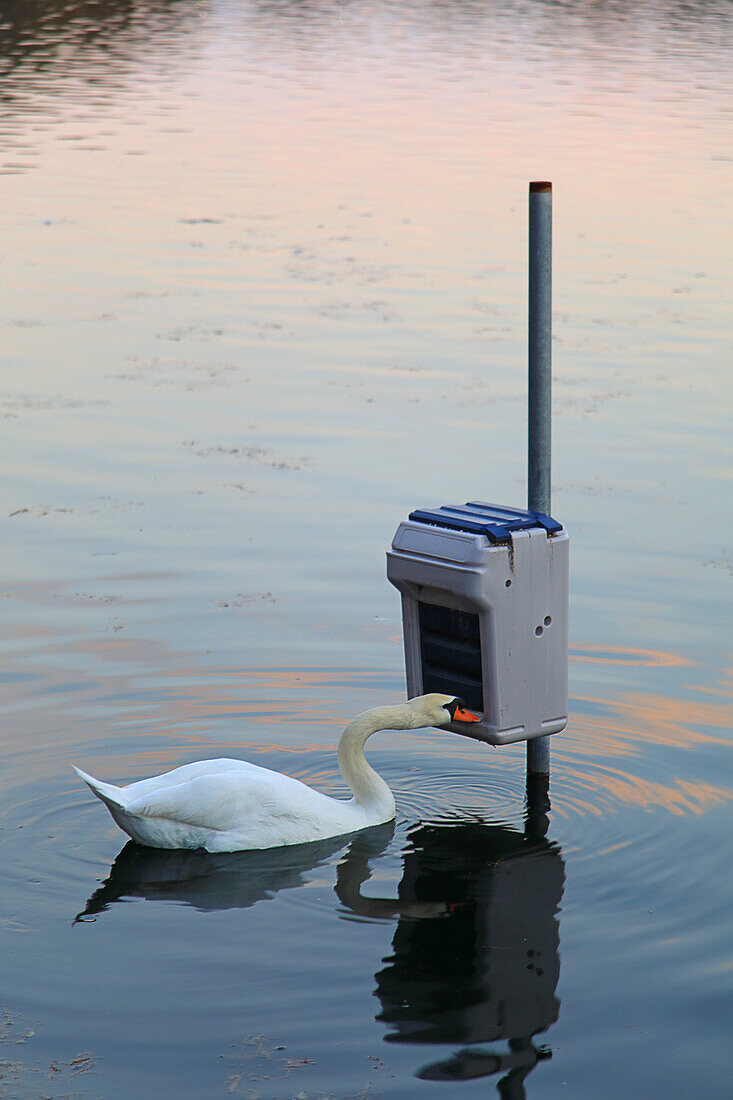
112, 796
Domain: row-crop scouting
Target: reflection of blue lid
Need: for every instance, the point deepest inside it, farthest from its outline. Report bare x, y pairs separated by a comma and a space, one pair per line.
493, 520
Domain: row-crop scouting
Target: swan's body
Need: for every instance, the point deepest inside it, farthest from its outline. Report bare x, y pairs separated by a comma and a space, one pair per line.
231, 805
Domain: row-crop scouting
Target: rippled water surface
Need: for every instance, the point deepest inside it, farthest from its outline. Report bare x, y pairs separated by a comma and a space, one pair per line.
264, 291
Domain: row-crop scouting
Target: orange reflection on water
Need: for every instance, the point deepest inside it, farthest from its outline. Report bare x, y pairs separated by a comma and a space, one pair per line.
725, 686
620, 655
605, 790
637, 719
625, 727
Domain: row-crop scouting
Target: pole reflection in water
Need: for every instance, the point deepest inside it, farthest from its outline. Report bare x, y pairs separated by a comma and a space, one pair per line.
475, 953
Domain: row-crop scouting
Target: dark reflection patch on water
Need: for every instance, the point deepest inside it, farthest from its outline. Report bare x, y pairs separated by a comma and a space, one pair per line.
474, 955
208, 882
475, 952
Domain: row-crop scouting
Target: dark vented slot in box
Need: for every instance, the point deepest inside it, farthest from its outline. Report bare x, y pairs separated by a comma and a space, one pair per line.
450, 651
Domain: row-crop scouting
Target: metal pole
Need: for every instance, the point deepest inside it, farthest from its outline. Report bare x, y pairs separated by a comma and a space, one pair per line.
540, 388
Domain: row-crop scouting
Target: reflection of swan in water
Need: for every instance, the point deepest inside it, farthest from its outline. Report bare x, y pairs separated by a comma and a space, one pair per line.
234, 806
354, 870
230, 880
475, 951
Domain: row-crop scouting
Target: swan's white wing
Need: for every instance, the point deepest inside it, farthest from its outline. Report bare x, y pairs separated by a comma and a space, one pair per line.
190, 771
228, 799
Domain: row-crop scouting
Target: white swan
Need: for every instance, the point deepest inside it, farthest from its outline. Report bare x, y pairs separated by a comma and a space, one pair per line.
231, 805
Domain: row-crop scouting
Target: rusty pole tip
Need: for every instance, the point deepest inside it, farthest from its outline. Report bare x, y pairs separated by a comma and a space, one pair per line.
540, 185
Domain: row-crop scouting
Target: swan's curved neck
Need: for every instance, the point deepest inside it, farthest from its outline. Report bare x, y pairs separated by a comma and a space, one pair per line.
370, 790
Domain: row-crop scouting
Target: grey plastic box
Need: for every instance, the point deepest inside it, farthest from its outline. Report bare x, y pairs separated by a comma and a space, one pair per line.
485, 614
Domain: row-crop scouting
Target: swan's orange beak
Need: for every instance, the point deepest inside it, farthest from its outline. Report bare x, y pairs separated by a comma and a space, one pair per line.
460, 714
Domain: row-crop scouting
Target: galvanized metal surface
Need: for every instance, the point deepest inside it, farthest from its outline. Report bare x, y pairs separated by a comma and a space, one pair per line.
539, 434
540, 347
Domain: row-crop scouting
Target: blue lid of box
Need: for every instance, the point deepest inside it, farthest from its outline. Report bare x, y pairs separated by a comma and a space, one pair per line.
493, 520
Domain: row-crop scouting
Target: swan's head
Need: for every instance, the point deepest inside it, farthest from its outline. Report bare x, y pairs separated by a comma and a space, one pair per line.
440, 710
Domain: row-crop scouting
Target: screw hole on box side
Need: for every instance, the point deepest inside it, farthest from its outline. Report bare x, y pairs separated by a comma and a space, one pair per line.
538, 631
548, 620
508, 584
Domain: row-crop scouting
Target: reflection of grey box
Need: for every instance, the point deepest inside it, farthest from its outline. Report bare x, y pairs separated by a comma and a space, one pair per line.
485, 614
486, 968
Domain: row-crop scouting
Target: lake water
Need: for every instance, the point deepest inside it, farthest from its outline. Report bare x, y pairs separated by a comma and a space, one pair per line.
263, 293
